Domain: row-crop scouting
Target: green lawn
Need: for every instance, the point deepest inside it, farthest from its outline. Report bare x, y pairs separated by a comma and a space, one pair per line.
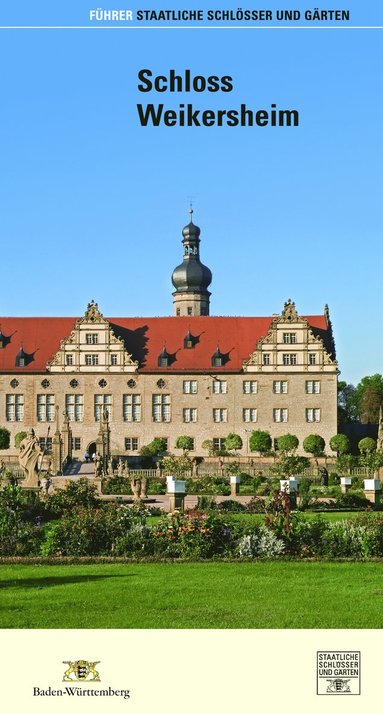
193, 595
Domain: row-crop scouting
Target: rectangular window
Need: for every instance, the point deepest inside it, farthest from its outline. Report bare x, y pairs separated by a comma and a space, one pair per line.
161, 407
219, 415
312, 358
219, 443
91, 360
249, 415
266, 358
280, 387
113, 360
190, 415
45, 407
312, 415
68, 359
219, 386
91, 338
190, 386
74, 406
101, 402
45, 444
250, 386
76, 443
280, 415
14, 409
289, 358
131, 443
131, 407
289, 338
312, 387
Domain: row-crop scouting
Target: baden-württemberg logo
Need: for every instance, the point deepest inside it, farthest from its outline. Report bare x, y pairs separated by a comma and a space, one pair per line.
80, 671
84, 672
338, 672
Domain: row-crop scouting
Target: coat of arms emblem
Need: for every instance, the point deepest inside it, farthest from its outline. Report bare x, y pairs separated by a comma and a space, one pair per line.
81, 671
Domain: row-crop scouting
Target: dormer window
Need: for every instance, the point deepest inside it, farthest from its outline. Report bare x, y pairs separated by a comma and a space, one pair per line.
21, 358
190, 341
164, 358
218, 358
3, 340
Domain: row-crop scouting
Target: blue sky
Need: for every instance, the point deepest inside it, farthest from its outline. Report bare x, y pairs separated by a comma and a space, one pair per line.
92, 204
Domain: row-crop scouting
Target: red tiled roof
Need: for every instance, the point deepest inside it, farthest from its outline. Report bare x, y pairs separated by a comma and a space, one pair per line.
144, 338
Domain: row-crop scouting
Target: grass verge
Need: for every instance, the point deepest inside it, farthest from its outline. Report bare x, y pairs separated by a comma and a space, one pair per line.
193, 595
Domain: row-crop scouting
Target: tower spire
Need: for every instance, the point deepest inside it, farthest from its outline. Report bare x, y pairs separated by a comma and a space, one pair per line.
191, 278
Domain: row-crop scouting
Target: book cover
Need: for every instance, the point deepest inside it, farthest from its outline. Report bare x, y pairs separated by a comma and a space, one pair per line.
121, 127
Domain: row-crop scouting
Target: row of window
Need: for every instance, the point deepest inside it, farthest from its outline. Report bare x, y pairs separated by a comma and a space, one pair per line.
131, 409
131, 443
290, 358
279, 415
91, 360
250, 386
131, 403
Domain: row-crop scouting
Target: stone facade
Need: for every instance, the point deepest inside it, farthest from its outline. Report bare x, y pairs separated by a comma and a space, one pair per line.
191, 374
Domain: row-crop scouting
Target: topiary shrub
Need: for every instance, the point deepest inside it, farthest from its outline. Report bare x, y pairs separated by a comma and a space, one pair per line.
19, 438
5, 438
260, 441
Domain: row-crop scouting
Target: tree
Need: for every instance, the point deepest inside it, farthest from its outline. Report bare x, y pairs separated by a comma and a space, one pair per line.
260, 441
208, 445
372, 461
156, 447
370, 458
368, 398
288, 466
288, 443
367, 445
176, 465
347, 411
233, 442
186, 443
5, 438
340, 443
314, 444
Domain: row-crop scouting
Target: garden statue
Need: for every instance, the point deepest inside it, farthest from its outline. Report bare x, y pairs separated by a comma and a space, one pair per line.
120, 468
323, 476
110, 470
135, 485
144, 488
46, 483
28, 458
97, 466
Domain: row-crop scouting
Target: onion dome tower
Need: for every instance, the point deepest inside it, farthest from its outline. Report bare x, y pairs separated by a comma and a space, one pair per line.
191, 279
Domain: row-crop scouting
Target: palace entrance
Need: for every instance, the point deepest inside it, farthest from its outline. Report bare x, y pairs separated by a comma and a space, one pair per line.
92, 449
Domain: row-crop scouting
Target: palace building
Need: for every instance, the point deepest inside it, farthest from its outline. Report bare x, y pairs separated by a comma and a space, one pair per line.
190, 374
